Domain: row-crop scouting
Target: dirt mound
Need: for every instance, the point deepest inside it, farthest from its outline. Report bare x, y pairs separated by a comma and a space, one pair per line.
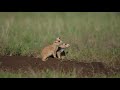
15, 63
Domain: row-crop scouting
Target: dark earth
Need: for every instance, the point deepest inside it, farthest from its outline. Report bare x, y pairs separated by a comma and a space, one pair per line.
16, 63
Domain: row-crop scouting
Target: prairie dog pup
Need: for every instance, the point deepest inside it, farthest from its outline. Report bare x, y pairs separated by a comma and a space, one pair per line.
61, 50
51, 49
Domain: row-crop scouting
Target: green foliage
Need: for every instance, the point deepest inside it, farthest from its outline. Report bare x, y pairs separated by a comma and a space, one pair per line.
52, 74
92, 35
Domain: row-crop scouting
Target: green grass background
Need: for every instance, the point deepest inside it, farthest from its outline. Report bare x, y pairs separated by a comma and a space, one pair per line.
93, 36
52, 74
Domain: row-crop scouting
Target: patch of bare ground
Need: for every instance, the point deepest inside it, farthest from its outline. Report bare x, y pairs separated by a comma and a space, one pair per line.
16, 63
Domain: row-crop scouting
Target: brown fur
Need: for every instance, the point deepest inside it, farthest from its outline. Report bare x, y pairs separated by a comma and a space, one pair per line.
61, 50
50, 50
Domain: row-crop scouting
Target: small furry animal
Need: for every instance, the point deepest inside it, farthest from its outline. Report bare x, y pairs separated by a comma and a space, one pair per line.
61, 50
51, 49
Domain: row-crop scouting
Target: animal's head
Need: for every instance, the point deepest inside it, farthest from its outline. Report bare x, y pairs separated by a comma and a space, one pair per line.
57, 42
67, 45
64, 45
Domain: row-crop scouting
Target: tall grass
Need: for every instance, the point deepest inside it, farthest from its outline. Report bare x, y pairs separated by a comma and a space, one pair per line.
93, 36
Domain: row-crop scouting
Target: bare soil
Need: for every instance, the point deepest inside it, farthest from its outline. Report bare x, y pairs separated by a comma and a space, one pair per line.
16, 63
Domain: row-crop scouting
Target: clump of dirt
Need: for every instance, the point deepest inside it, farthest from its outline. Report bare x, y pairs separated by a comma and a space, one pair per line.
16, 63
